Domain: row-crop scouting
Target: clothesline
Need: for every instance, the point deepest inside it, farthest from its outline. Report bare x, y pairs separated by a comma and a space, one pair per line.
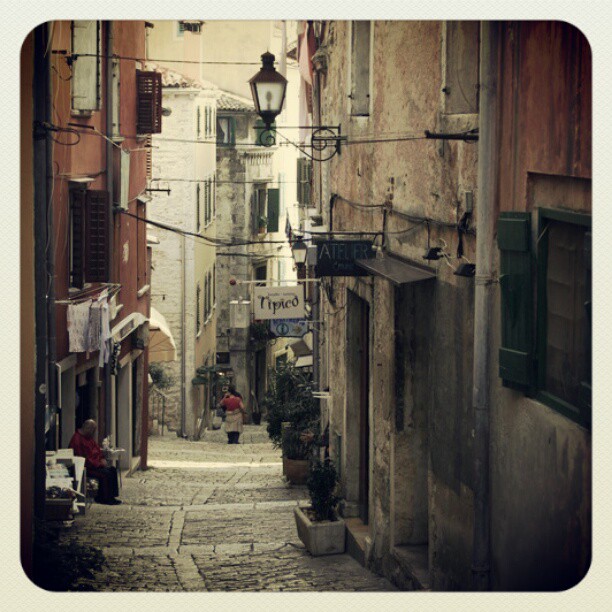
113, 289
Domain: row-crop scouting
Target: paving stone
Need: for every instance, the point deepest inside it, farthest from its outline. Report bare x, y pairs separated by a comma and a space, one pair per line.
222, 522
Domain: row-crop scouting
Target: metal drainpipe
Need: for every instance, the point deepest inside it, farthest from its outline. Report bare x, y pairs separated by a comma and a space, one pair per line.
42, 113
108, 404
50, 253
485, 222
183, 282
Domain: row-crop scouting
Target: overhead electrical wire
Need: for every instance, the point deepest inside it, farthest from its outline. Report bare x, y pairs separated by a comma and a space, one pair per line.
70, 57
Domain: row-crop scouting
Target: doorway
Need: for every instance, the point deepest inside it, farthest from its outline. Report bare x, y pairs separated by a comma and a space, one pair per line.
357, 424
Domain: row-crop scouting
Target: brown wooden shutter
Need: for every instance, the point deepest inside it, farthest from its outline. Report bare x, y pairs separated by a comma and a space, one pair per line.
97, 230
77, 204
149, 88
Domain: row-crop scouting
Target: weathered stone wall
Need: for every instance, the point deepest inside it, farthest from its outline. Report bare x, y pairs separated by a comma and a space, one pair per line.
421, 336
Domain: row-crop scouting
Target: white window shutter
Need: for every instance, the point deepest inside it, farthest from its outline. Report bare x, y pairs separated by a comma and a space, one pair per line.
86, 65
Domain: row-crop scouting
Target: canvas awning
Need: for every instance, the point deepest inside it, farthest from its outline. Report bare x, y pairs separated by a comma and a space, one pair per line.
161, 342
305, 361
396, 270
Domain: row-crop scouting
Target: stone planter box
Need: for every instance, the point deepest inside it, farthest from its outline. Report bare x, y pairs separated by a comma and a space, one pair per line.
296, 470
320, 538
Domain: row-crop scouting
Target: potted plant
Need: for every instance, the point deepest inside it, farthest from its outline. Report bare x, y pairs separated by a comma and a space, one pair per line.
320, 528
262, 224
291, 411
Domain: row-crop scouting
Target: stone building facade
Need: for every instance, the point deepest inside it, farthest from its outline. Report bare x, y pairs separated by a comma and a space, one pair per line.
183, 161
399, 344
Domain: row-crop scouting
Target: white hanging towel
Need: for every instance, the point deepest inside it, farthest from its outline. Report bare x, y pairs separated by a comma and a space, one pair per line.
78, 327
105, 334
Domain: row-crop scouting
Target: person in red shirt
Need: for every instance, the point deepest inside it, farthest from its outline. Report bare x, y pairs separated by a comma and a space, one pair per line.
84, 445
234, 410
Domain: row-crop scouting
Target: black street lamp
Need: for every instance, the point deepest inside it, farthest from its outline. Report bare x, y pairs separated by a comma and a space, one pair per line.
268, 88
299, 250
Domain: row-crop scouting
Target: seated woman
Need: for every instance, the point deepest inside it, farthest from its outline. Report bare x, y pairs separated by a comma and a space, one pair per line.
84, 445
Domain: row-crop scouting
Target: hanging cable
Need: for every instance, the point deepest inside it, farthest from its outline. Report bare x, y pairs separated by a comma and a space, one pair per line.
71, 57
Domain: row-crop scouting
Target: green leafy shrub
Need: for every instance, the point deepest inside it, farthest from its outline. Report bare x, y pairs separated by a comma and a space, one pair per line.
321, 483
160, 376
289, 399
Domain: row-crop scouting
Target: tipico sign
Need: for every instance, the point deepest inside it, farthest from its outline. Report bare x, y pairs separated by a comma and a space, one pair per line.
278, 302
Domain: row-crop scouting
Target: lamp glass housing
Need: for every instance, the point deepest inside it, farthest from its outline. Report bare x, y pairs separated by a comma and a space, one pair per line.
300, 250
268, 88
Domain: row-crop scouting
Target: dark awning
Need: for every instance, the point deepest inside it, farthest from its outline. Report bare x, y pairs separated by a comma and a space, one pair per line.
396, 270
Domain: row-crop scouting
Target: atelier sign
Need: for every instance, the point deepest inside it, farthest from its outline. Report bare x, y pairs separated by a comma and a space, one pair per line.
278, 302
337, 257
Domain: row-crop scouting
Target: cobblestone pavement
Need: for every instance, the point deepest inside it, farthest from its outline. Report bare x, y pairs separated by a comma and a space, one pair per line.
208, 516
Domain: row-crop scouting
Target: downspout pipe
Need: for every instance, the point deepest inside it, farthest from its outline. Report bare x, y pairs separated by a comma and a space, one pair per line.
50, 256
108, 404
41, 114
488, 146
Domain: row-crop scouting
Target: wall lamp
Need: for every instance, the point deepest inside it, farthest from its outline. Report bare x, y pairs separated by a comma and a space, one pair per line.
268, 88
300, 251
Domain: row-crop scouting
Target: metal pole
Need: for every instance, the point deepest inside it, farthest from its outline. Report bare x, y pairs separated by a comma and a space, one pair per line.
183, 391
485, 223
108, 403
163, 414
42, 113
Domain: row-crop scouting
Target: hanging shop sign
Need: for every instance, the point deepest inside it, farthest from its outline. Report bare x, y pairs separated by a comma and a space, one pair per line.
278, 302
288, 328
338, 257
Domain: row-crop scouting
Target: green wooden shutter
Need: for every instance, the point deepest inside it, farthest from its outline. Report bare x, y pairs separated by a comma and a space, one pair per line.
516, 354
273, 209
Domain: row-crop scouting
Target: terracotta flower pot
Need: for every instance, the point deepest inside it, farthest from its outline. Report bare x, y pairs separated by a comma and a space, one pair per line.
295, 470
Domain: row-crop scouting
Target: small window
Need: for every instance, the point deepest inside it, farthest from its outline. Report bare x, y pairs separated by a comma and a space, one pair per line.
564, 312
261, 274
198, 208
226, 128
180, 29
198, 122
214, 284
198, 307
462, 49
360, 68
260, 197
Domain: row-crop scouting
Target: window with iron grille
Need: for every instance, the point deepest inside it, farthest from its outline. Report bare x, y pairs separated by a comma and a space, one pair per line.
149, 102
86, 52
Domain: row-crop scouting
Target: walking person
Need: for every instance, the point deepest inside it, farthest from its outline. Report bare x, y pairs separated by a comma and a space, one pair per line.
234, 411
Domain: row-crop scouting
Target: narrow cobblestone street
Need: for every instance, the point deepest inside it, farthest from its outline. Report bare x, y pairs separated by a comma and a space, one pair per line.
208, 516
